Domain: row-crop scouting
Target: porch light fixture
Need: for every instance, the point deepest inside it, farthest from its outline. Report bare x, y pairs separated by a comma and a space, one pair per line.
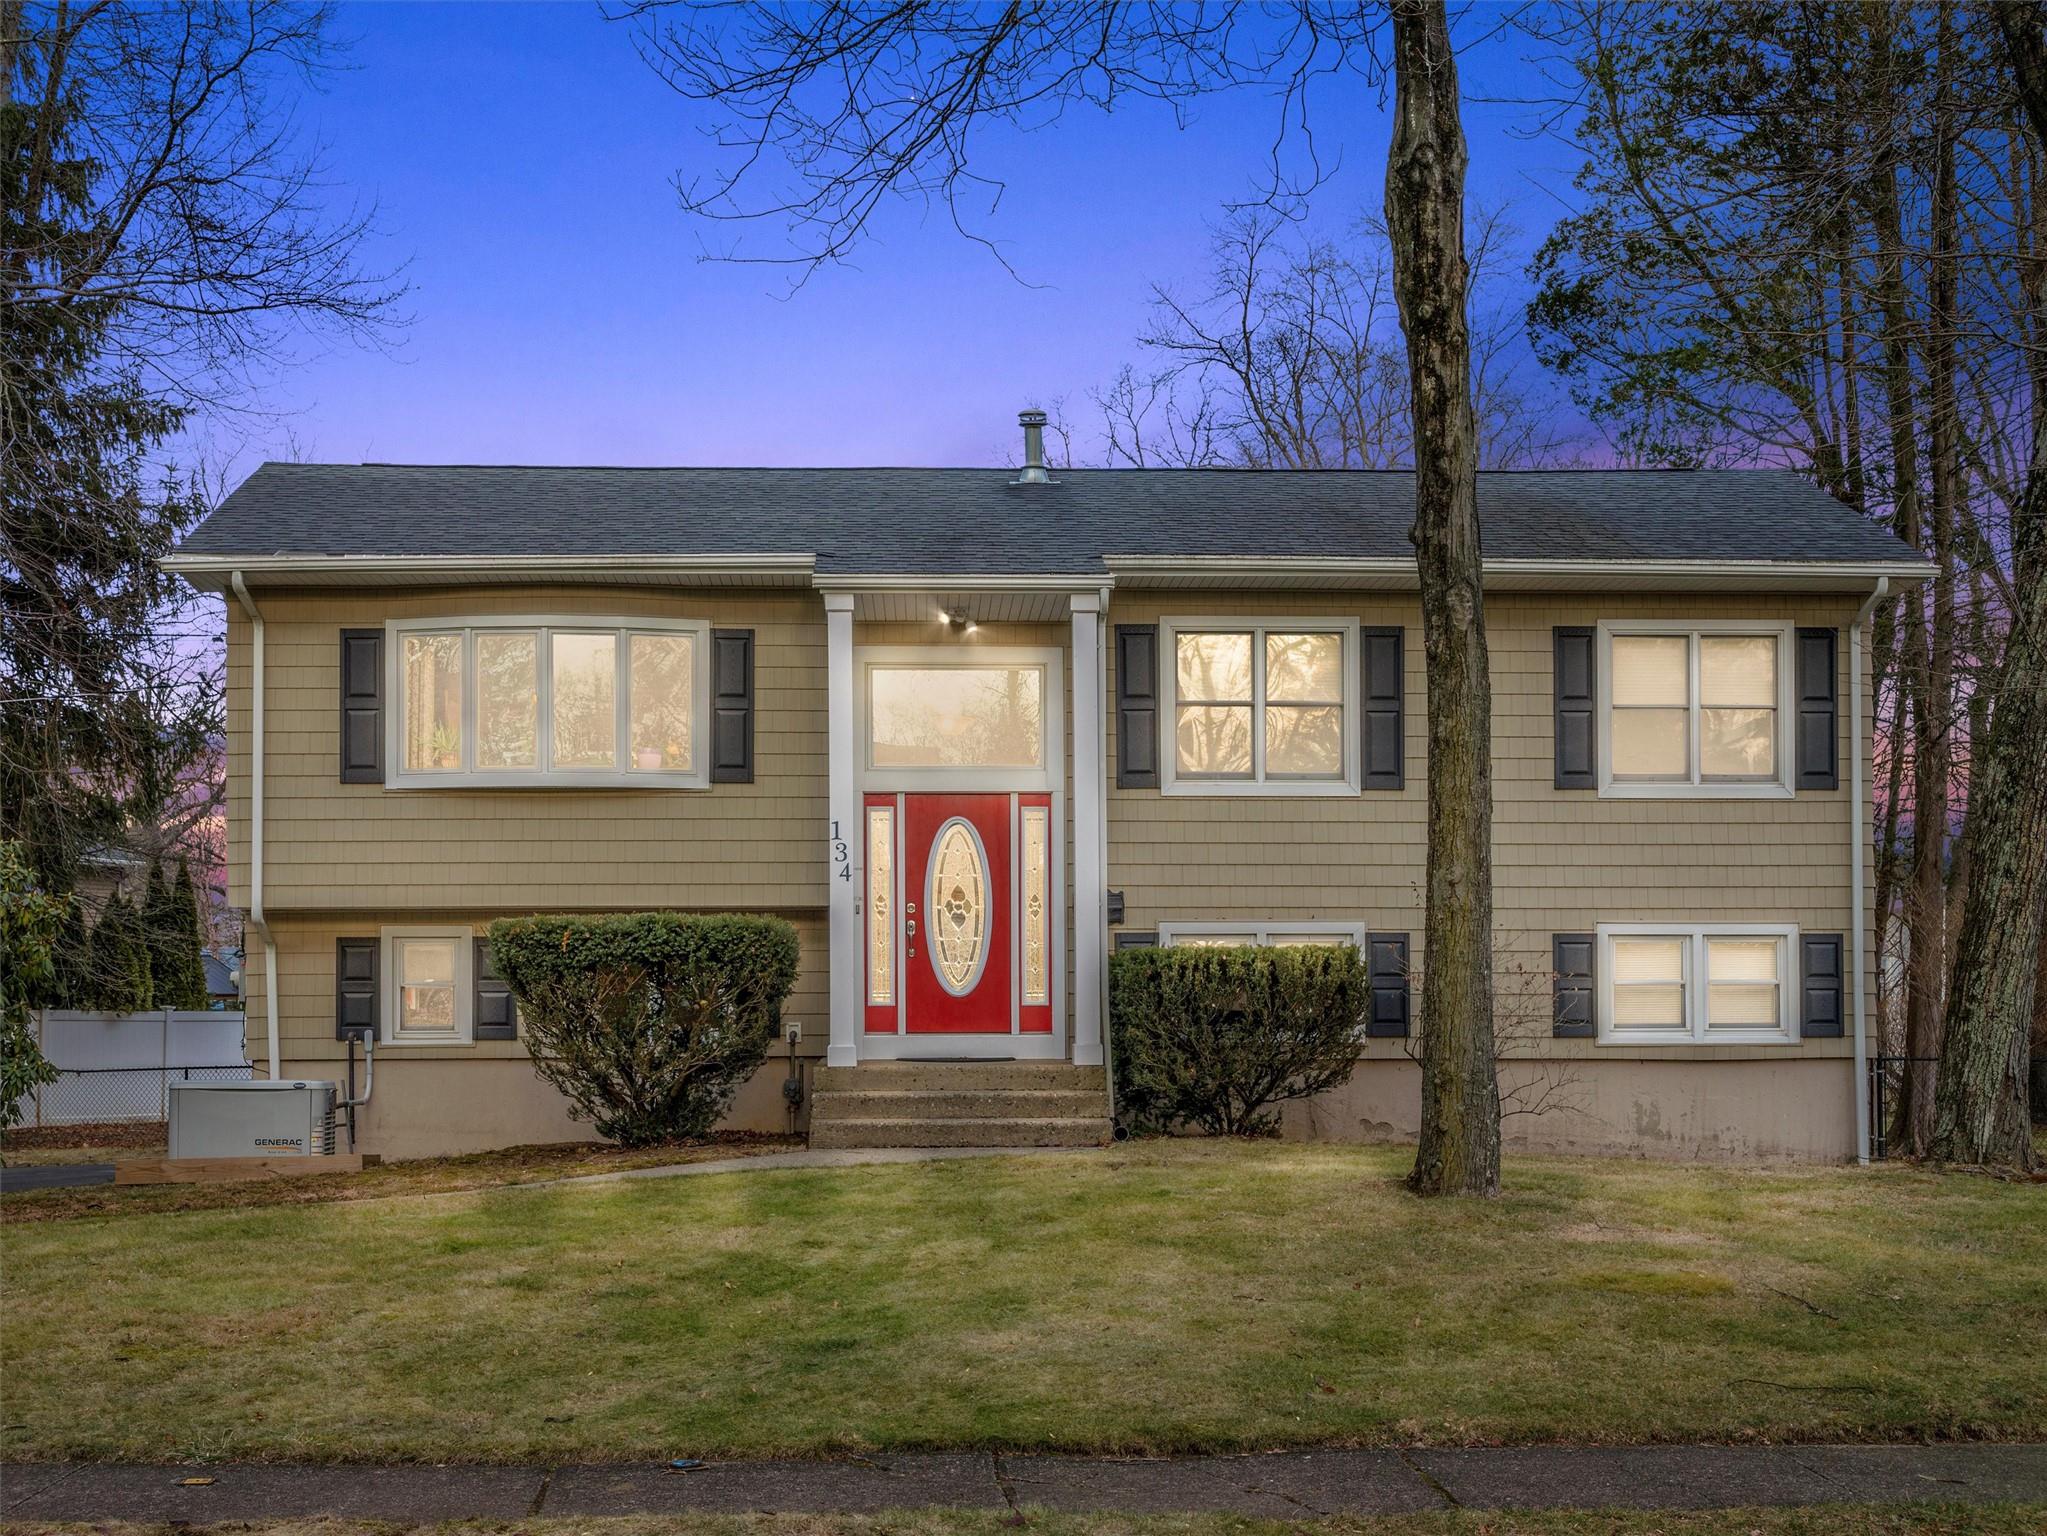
957, 620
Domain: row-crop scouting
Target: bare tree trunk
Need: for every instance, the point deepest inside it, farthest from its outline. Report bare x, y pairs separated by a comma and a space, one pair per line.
1460, 1126
1933, 734
1982, 1116
1924, 965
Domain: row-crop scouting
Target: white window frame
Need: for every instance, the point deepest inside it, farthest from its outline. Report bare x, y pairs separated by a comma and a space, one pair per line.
1172, 782
1777, 787
1262, 930
545, 627
1051, 769
1697, 980
463, 939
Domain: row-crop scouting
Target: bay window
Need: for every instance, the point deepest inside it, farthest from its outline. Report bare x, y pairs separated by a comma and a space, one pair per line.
1278, 932
548, 701
1695, 709
1259, 707
1673, 984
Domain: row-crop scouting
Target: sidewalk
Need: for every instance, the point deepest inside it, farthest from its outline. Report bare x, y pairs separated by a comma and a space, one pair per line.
1289, 1484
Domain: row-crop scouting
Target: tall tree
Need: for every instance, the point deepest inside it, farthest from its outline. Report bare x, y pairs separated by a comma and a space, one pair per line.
861, 104
1982, 1113
165, 240
1810, 237
1460, 1131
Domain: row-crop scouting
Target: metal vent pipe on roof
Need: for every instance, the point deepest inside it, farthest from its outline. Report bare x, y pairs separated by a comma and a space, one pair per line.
1033, 472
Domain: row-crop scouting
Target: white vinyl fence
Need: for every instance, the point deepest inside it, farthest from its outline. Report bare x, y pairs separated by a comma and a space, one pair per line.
119, 1066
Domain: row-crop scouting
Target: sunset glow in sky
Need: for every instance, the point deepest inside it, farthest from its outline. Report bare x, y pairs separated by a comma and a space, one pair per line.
522, 158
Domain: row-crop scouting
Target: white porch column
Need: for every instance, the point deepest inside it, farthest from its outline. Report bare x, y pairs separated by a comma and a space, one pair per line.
844, 849
1090, 915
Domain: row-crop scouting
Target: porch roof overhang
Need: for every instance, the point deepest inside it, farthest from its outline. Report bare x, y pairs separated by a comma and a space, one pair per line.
995, 599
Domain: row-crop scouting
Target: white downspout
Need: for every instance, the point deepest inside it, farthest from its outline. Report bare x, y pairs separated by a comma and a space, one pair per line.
1858, 853
257, 920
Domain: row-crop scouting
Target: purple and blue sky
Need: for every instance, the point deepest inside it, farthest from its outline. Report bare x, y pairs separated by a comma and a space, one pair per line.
521, 159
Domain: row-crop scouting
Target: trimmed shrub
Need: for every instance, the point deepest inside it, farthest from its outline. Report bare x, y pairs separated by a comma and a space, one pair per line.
648, 1022
1211, 1037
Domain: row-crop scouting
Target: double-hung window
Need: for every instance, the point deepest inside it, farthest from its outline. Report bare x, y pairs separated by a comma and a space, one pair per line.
549, 701
1673, 984
1695, 709
1265, 707
427, 998
1277, 932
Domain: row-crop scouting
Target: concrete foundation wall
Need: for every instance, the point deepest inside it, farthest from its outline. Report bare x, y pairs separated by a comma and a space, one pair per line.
429, 1108
1789, 1109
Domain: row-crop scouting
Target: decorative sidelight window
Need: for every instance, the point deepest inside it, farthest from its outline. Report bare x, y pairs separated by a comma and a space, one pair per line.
547, 701
1695, 708
881, 905
1710, 982
1260, 707
1036, 827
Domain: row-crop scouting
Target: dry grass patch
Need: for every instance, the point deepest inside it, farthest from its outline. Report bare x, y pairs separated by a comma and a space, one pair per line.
413, 1176
1158, 1297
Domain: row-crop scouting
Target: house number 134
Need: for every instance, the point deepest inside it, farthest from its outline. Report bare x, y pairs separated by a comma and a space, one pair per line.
842, 857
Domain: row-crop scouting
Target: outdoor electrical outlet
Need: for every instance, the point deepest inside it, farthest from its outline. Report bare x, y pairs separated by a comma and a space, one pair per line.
793, 1032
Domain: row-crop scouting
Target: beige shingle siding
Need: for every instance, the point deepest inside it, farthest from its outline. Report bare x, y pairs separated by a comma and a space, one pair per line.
1564, 860
305, 986
363, 847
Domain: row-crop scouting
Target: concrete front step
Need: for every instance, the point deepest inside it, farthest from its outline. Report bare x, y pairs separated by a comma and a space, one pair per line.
958, 1104
958, 1132
959, 1076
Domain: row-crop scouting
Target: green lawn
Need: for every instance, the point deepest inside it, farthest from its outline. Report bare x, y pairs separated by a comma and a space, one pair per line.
1166, 1296
1820, 1520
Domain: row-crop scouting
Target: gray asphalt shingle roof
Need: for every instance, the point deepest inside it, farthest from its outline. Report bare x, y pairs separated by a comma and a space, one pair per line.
958, 521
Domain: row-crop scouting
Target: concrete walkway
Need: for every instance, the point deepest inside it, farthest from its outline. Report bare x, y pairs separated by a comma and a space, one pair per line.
1285, 1485
850, 1157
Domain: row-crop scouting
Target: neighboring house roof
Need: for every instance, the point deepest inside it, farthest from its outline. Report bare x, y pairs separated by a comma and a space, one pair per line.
951, 522
220, 973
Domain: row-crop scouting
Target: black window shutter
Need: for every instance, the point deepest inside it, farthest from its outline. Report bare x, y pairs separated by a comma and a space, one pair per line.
1137, 706
1385, 740
1386, 963
497, 1012
1818, 702
1821, 971
362, 706
356, 995
731, 706
1136, 940
1577, 707
1571, 965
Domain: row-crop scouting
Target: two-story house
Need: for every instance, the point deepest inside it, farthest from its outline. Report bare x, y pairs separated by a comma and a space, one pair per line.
973, 729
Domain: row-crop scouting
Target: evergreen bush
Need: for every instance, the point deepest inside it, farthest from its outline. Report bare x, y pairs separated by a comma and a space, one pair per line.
1212, 1037
647, 1022
120, 959
31, 923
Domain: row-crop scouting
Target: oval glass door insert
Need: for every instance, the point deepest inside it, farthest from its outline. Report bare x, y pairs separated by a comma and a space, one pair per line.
957, 906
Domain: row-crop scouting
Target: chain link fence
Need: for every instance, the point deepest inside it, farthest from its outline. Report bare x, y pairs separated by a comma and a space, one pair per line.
92, 1095
119, 1067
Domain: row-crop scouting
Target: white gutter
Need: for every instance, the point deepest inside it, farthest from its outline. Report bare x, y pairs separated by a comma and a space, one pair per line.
790, 569
939, 581
256, 918
1858, 853
1249, 568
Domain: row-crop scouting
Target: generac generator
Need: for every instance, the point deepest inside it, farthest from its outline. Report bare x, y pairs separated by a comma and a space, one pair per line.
252, 1119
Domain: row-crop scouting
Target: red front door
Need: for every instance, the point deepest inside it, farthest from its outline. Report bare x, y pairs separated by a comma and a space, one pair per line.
958, 915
